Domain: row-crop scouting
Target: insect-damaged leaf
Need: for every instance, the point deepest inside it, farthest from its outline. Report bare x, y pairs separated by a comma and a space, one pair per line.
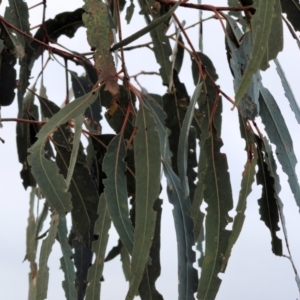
268, 202
46, 172
99, 247
216, 192
66, 261
279, 135
116, 190
247, 181
43, 274
182, 158
99, 33
267, 33
147, 289
147, 171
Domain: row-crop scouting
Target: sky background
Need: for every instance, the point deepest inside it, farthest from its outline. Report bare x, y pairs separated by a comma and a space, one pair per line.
253, 271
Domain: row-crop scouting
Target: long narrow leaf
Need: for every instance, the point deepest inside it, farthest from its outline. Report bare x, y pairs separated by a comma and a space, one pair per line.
146, 29
147, 171
267, 40
183, 140
247, 181
268, 207
66, 261
279, 135
187, 275
98, 34
53, 185
99, 247
116, 191
288, 90
43, 273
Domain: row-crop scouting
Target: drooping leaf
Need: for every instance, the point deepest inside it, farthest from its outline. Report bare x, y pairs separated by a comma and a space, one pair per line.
83, 255
246, 184
31, 246
147, 172
78, 121
272, 167
116, 191
183, 141
154, 104
216, 192
239, 54
147, 289
82, 186
96, 17
288, 90
43, 273
99, 247
292, 10
146, 29
125, 260
175, 105
279, 135
66, 260
267, 33
52, 185
268, 202
187, 275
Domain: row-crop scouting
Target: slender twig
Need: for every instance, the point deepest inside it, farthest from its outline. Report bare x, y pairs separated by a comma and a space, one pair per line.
71, 56
35, 5
206, 6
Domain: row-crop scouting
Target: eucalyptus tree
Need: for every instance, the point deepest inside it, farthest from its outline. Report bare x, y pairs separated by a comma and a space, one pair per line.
101, 179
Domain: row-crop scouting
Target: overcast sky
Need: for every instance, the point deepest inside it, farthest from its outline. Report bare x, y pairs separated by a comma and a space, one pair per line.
253, 271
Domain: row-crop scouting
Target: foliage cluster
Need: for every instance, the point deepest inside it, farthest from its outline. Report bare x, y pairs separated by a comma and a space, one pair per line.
116, 178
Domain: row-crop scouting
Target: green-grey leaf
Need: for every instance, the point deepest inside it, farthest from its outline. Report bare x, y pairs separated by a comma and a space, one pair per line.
279, 135
288, 90
147, 171
247, 181
31, 245
99, 247
77, 135
116, 190
45, 172
187, 275
217, 194
183, 140
66, 261
267, 40
154, 104
43, 273
239, 54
